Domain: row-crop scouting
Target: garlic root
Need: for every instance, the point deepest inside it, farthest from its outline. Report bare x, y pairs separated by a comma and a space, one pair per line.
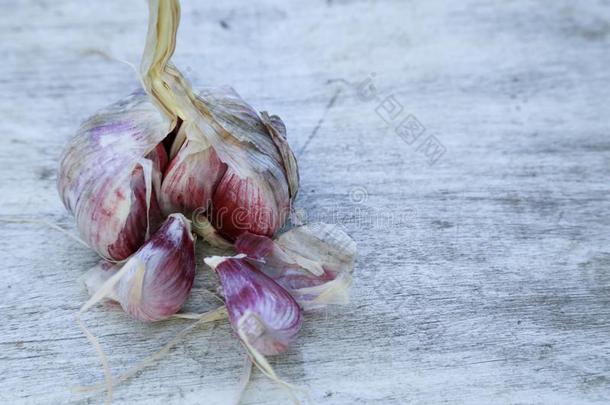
217, 314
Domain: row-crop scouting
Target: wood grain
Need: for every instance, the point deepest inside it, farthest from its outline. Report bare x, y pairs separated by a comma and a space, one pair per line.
482, 278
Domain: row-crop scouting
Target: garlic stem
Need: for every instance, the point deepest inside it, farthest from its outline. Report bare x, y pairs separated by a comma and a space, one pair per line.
160, 45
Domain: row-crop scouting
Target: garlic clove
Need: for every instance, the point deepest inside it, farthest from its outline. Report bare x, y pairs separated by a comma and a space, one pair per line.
243, 205
189, 182
261, 312
312, 262
110, 173
154, 283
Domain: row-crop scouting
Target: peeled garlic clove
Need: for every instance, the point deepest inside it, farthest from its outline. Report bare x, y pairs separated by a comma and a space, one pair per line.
155, 282
261, 312
189, 181
312, 262
110, 173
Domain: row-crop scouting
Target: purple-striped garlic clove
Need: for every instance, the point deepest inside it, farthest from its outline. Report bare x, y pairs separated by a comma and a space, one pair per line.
245, 205
312, 262
110, 174
154, 283
190, 179
261, 313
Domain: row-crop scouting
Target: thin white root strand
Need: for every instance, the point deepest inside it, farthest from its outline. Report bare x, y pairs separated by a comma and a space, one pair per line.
104, 360
206, 317
106, 55
97, 297
205, 290
243, 381
46, 223
263, 365
187, 315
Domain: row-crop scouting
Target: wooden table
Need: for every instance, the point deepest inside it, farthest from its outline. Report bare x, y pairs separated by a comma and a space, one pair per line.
464, 145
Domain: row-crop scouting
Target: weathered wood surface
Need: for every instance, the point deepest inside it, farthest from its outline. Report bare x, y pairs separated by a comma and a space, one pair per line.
482, 278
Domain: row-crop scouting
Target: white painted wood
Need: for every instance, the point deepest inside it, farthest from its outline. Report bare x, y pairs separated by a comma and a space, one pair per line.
484, 278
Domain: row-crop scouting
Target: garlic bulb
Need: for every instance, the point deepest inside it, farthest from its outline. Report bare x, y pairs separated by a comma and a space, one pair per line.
312, 262
227, 161
110, 173
261, 313
155, 282
209, 156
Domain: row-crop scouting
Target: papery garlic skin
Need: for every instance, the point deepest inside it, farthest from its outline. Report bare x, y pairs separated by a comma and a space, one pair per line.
96, 276
260, 311
312, 262
157, 278
110, 173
